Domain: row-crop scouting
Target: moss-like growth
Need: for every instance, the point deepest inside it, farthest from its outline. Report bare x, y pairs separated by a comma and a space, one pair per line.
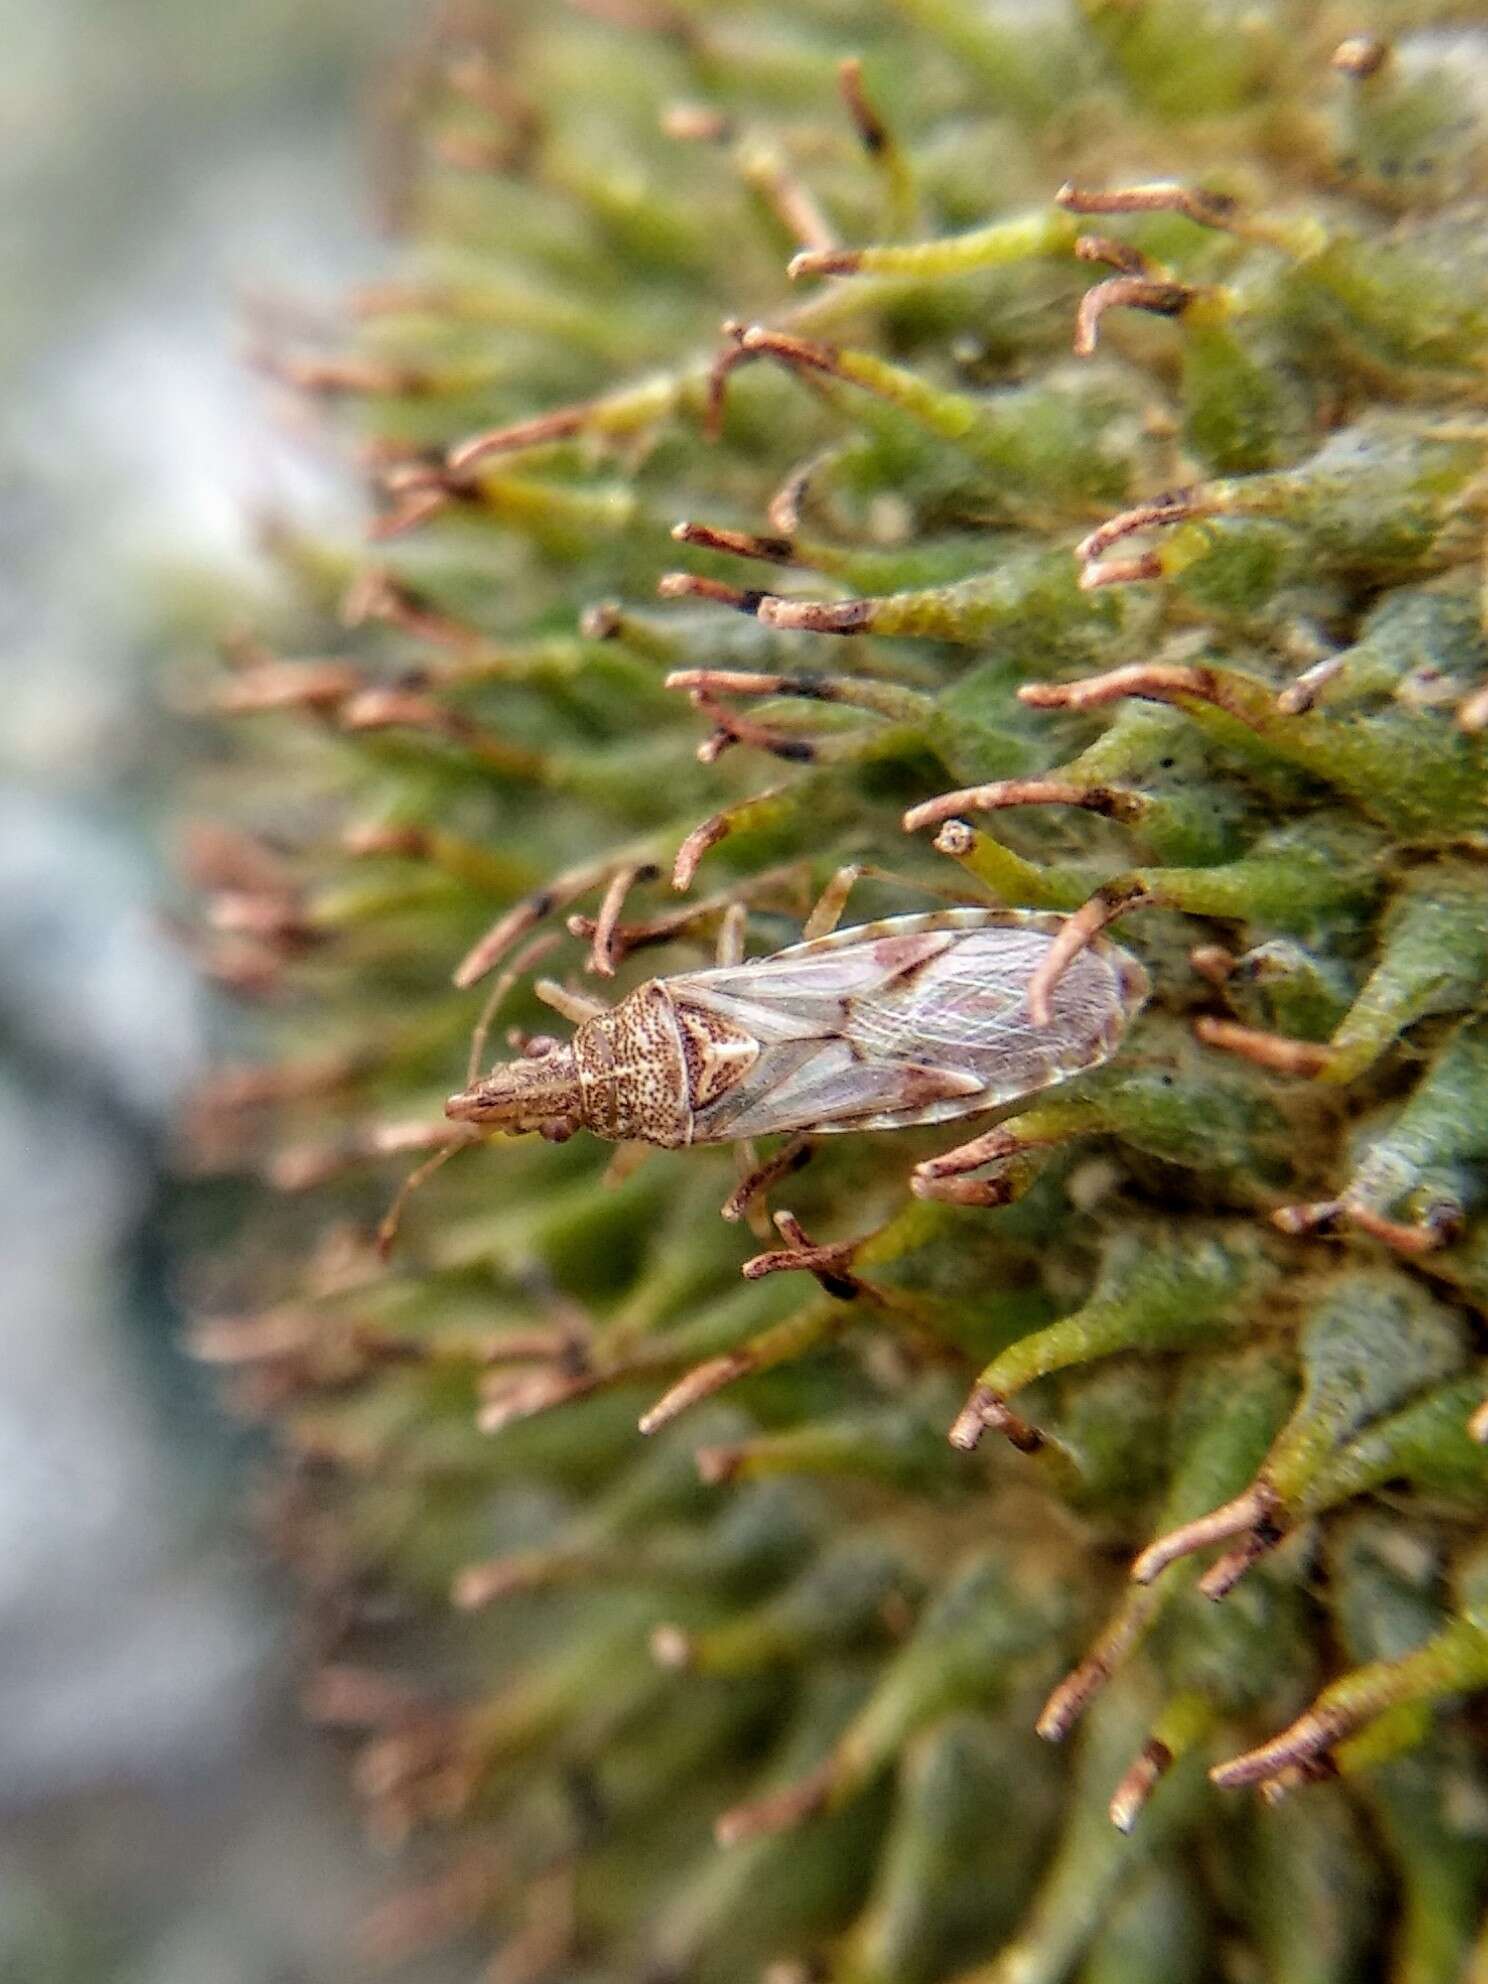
1092, 457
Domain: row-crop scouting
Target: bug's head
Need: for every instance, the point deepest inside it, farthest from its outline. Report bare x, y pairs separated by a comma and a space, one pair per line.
538, 1092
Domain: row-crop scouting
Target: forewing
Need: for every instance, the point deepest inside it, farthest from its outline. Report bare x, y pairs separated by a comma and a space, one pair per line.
968, 1010
804, 993
826, 1085
910, 1020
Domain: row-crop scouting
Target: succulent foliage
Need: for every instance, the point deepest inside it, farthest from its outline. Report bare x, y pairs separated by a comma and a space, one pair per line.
1081, 507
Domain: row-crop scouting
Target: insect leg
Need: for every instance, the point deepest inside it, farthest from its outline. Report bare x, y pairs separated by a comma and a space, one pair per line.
944, 1177
392, 1219
1111, 900
831, 903
671, 924
627, 1160
575, 1006
538, 948
756, 1178
514, 923
387, 1231
729, 949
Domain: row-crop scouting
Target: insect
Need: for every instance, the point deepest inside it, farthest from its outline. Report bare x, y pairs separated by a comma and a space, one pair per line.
913, 1019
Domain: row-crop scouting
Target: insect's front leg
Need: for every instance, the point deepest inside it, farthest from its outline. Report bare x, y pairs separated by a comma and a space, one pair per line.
575, 1006
670, 925
605, 951
626, 1162
945, 1177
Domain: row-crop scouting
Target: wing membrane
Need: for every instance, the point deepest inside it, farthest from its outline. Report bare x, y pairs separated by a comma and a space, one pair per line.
801, 994
912, 1019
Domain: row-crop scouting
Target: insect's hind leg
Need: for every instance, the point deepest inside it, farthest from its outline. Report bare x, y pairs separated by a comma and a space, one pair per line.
946, 1177
758, 1175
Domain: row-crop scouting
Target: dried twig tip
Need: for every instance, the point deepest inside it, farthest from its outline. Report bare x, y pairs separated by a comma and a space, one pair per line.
1307, 1740
1247, 1511
825, 262
699, 1383
1071, 1698
985, 1410
1156, 196
1361, 56
1139, 1783
778, 1811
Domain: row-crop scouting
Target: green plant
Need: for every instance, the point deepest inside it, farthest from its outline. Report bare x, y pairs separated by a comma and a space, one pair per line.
1227, 1290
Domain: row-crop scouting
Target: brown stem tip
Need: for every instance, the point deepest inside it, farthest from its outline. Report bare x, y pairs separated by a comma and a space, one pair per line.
1223, 1575
717, 1466
1139, 1783
778, 1811
1247, 1511
558, 425
699, 1383
1176, 508
825, 262
873, 133
1361, 56
985, 1411
1071, 1698
739, 543
1158, 299
817, 616
1111, 801
1308, 1738
1156, 196
1266, 1050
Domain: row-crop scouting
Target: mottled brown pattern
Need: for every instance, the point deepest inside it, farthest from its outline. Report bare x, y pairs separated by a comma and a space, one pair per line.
525, 1094
910, 1019
632, 1073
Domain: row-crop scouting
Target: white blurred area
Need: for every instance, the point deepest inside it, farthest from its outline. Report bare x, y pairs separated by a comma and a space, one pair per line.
162, 1818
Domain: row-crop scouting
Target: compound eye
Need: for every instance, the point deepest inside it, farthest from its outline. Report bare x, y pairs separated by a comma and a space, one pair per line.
555, 1129
536, 1045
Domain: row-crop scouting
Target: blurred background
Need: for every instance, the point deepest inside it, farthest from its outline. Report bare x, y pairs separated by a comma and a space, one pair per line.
163, 1817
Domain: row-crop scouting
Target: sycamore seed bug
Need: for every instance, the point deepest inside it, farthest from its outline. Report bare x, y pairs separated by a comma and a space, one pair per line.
914, 1019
